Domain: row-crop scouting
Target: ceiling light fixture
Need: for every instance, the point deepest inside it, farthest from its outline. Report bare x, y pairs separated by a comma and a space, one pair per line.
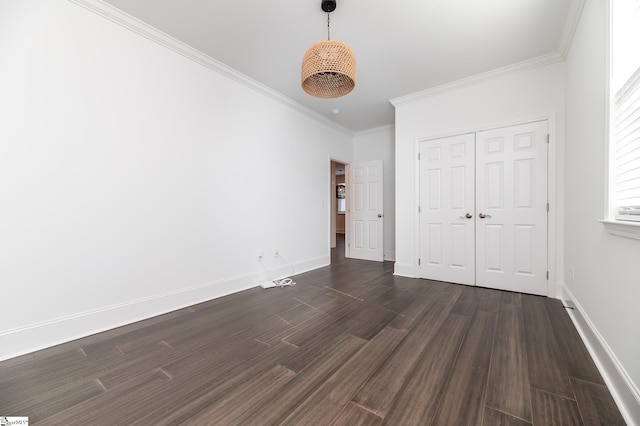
328, 67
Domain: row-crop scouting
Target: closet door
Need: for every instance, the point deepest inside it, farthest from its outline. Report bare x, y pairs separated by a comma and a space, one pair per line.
483, 209
447, 228
511, 208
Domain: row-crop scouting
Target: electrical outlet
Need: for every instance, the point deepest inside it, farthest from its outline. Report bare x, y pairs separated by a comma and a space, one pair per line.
276, 253
573, 273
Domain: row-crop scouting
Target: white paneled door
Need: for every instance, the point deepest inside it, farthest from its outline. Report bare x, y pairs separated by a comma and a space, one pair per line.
365, 213
447, 206
504, 242
511, 205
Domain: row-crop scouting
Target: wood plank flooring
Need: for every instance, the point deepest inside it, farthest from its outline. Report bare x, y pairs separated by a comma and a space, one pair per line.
350, 344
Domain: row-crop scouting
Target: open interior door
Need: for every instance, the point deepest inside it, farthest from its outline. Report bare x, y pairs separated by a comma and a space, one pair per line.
365, 223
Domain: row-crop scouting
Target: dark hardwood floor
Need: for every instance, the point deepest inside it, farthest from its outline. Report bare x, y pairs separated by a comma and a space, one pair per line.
350, 344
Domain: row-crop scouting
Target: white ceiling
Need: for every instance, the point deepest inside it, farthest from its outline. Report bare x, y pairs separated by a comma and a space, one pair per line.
401, 47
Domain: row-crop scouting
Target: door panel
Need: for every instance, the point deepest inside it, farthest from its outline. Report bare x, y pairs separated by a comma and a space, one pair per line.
512, 196
446, 196
524, 235
365, 212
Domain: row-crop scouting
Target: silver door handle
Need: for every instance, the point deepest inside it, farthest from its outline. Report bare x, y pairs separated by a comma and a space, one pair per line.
482, 216
466, 216
379, 214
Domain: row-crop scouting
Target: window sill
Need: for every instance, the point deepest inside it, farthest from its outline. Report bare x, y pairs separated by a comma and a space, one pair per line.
622, 228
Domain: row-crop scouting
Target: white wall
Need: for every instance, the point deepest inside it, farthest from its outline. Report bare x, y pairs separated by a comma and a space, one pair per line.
378, 144
606, 287
134, 181
502, 99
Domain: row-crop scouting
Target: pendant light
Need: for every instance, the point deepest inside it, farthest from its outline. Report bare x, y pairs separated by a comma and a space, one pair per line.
328, 67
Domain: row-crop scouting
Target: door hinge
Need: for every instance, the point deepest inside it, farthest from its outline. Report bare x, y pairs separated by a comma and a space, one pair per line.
547, 275
418, 156
547, 207
547, 137
418, 209
418, 261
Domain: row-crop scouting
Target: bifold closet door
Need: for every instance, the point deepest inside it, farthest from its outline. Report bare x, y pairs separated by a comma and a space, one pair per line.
483, 208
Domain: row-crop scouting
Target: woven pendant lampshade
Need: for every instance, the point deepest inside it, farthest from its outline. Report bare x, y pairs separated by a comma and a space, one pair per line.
328, 67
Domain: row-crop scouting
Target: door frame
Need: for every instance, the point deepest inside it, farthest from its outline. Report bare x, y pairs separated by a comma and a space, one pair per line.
556, 209
332, 203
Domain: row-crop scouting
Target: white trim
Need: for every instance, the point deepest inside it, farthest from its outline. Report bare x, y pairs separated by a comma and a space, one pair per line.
573, 17
622, 228
347, 213
555, 207
131, 23
386, 127
529, 64
625, 393
416, 211
404, 270
495, 125
559, 288
389, 256
33, 337
608, 184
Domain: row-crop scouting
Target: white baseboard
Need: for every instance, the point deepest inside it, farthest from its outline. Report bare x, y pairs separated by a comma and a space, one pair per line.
624, 391
33, 337
556, 290
404, 270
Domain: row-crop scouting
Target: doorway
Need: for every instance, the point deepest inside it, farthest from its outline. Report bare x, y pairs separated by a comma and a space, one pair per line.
338, 196
357, 201
483, 208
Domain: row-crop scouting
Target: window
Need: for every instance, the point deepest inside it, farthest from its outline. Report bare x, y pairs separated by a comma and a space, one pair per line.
624, 89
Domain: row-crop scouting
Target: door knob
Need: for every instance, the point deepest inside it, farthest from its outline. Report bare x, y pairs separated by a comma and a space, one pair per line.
466, 216
379, 214
482, 215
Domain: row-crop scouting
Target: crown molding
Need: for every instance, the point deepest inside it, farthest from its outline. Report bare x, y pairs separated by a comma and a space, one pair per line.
139, 27
570, 25
384, 128
564, 44
529, 64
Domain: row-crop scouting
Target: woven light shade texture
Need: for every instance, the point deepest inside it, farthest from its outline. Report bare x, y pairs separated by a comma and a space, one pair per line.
328, 70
